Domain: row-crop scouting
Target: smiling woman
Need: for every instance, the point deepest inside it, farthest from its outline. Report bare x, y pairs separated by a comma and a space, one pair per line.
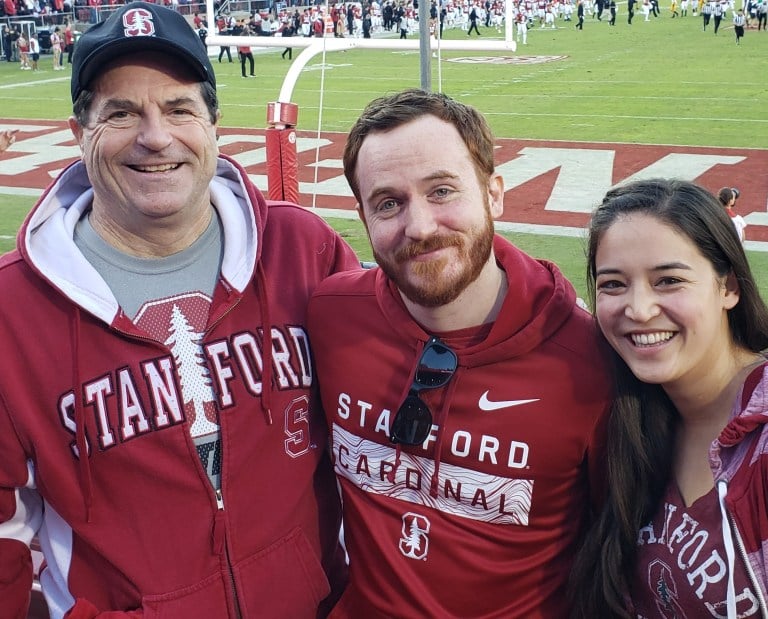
675, 298
663, 311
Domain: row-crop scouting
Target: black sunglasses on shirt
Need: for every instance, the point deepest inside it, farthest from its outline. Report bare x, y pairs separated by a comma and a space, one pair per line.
413, 420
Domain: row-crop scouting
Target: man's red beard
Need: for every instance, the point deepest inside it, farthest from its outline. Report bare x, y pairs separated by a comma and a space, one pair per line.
432, 288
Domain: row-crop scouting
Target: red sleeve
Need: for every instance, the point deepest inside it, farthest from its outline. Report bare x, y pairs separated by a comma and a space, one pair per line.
15, 575
345, 258
596, 463
597, 467
18, 522
337, 255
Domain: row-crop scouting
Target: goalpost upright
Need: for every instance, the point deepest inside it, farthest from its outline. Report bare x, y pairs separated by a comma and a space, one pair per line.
282, 115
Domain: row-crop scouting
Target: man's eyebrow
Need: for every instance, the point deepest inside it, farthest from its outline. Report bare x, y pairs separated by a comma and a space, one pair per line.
437, 175
180, 101
379, 191
118, 103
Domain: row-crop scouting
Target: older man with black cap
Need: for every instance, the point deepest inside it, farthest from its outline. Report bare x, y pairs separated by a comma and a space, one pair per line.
159, 426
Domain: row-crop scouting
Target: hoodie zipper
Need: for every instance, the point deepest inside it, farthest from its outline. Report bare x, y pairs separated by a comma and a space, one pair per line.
742, 553
219, 497
220, 507
217, 491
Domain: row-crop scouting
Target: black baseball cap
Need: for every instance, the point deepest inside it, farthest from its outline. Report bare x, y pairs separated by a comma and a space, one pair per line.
138, 27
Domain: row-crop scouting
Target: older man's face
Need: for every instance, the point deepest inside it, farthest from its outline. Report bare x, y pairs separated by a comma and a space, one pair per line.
149, 145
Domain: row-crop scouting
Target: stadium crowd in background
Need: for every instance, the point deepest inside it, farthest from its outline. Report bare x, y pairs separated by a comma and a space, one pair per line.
393, 17
344, 19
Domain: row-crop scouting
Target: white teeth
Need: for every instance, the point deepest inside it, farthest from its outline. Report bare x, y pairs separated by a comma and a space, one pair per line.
647, 339
157, 168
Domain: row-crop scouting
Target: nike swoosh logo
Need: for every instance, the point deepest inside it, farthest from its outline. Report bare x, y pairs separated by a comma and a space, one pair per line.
487, 405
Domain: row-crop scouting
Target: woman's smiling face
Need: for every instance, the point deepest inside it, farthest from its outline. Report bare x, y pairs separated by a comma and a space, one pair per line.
659, 301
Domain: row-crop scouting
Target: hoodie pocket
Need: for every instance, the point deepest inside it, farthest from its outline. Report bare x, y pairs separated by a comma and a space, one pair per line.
285, 579
203, 600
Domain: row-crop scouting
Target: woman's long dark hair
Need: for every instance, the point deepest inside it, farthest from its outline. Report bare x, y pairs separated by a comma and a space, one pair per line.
641, 431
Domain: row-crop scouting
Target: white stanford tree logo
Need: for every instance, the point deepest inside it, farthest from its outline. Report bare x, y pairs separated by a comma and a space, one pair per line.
415, 541
194, 376
179, 322
138, 23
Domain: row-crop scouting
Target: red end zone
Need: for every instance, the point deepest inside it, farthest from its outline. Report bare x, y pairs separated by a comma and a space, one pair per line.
548, 183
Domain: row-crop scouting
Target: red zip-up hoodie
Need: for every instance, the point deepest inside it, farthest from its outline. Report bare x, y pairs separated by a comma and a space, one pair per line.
136, 526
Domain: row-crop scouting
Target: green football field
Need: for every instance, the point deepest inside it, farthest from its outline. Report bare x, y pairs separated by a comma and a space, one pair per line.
659, 82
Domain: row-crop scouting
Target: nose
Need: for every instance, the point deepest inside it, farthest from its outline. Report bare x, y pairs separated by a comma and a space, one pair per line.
154, 131
641, 304
420, 219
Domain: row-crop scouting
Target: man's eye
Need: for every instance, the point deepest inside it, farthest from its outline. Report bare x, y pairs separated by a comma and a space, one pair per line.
119, 118
386, 205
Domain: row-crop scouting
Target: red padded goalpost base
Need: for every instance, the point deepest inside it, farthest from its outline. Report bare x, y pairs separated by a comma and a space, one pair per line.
282, 159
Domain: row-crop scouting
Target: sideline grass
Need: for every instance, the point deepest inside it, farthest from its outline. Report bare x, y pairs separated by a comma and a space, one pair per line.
661, 82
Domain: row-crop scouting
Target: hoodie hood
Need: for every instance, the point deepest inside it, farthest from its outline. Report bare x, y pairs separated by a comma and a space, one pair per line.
750, 413
46, 237
539, 301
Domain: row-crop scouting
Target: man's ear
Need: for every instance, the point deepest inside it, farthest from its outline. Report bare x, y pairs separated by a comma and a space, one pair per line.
361, 214
77, 130
496, 195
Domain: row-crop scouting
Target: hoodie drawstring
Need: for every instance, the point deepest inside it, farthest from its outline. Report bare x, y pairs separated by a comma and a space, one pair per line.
398, 447
722, 490
440, 422
266, 343
84, 464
